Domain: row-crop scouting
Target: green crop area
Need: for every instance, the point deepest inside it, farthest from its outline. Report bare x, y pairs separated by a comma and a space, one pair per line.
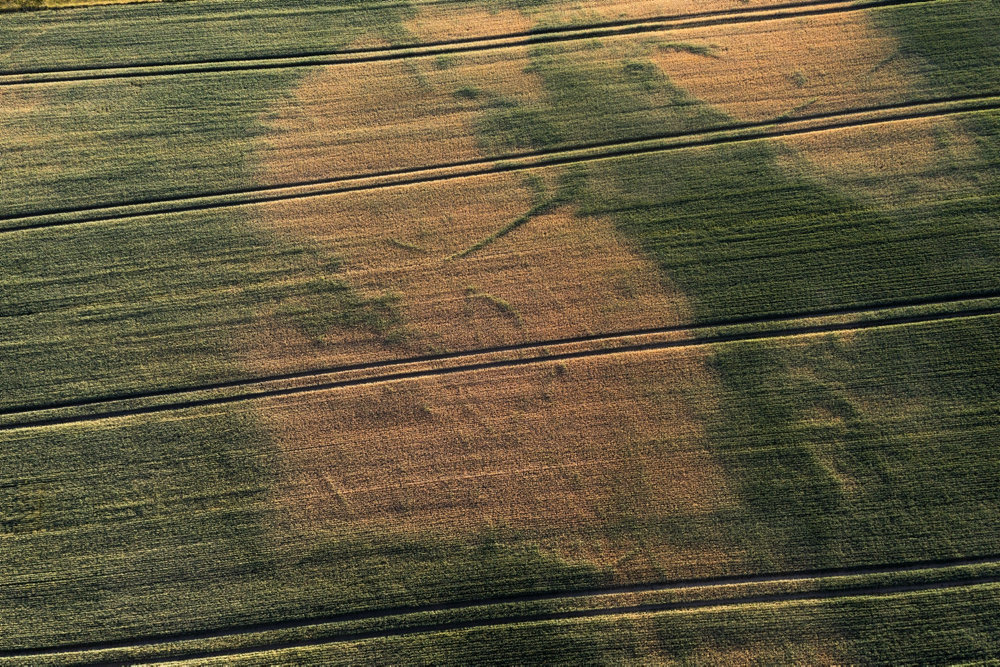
499, 331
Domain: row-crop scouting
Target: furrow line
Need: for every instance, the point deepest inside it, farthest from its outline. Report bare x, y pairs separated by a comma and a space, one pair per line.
456, 46
611, 345
869, 308
729, 134
819, 575
650, 608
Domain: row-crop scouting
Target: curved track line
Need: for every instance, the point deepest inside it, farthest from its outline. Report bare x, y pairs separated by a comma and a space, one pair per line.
657, 587
625, 345
649, 608
534, 37
718, 135
869, 308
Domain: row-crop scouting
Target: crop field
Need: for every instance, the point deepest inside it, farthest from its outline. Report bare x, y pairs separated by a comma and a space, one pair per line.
499, 331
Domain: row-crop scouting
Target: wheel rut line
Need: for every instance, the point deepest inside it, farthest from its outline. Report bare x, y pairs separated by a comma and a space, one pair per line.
589, 613
790, 330
506, 157
926, 566
873, 307
770, 129
528, 38
92, 401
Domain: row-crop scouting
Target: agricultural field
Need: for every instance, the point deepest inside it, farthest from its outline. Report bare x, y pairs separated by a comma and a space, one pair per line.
499, 331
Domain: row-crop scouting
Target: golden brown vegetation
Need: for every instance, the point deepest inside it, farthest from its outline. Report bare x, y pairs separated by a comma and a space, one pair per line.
891, 164
448, 22
346, 120
559, 448
759, 71
816, 65
558, 275
548, 448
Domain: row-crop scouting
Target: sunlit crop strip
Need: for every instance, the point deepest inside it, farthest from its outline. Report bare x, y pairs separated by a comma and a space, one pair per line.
734, 134
451, 47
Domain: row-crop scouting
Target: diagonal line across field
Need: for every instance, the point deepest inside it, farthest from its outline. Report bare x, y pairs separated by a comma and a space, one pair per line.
682, 336
719, 135
534, 37
940, 574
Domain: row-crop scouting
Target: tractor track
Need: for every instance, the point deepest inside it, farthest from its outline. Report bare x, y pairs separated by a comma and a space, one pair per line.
611, 344
577, 154
516, 347
535, 37
926, 567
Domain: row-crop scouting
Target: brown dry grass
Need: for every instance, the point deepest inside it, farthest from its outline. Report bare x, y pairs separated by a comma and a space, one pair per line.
556, 276
17, 103
561, 275
347, 120
18, 111
890, 164
445, 22
560, 449
582, 12
764, 70
372, 117
819, 64
554, 449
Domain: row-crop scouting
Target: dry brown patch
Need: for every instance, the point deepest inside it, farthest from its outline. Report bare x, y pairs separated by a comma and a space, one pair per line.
444, 22
554, 449
890, 164
583, 12
657, 8
440, 22
556, 276
821, 64
565, 450
355, 119
15, 103
768, 69
19, 126
373, 117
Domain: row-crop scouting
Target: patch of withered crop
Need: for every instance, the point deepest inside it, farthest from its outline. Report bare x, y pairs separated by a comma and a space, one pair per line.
350, 120
821, 64
474, 262
15, 103
759, 71
24, 154
569, 451
384, 116
555, 275
586, 12
892, 164
450, 21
